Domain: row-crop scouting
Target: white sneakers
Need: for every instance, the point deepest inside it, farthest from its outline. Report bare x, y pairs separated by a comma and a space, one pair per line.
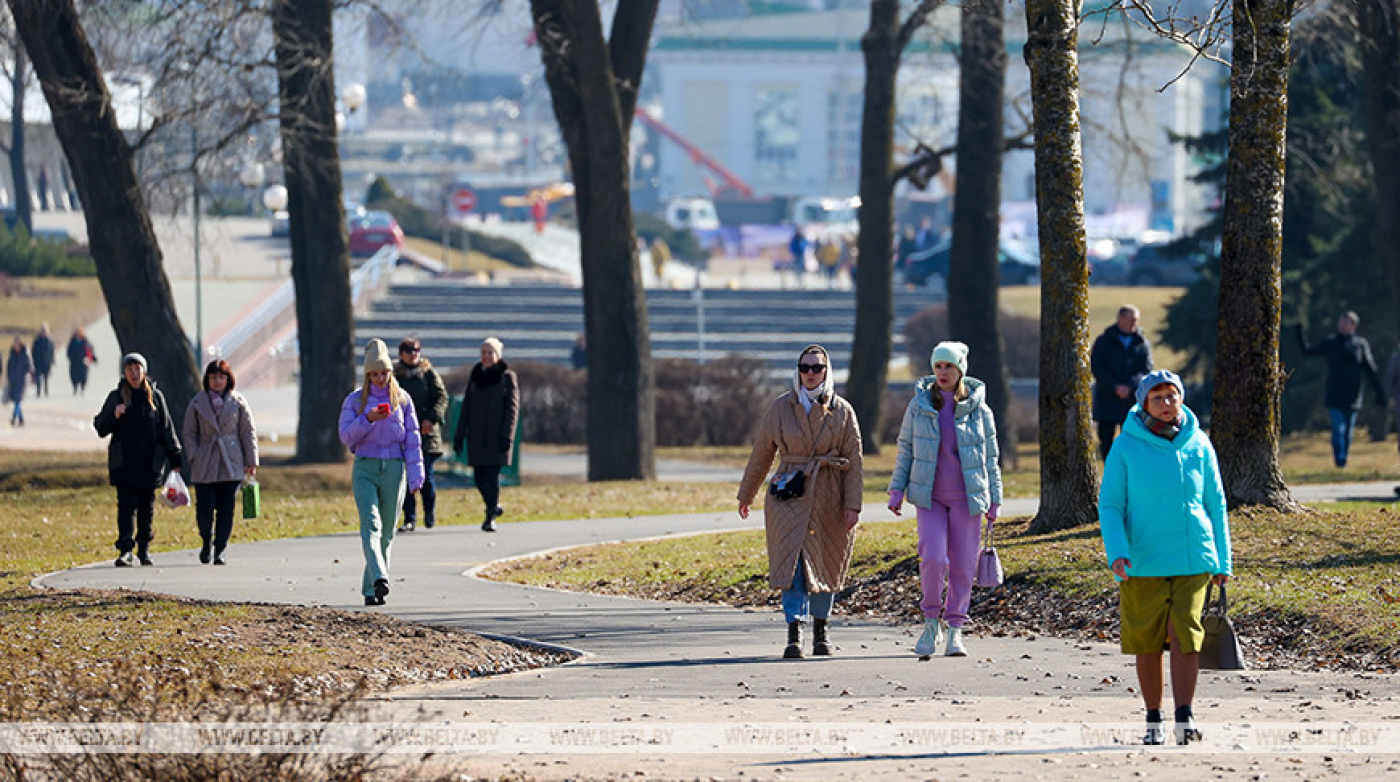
1186, 732
1156, 734
955, 643
932, 636
930, 639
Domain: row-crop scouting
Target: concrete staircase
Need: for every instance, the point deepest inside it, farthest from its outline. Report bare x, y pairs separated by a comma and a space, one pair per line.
541, 322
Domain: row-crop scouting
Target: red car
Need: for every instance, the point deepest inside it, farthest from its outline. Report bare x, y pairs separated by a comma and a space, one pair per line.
372, 231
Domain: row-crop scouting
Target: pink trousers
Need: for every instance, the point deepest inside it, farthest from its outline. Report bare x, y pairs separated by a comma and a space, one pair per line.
949, 537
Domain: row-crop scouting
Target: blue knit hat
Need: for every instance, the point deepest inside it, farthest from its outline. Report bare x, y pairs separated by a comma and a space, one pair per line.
1157, 378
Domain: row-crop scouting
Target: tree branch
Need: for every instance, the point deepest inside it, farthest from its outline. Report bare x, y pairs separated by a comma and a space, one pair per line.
917, 18
627, 50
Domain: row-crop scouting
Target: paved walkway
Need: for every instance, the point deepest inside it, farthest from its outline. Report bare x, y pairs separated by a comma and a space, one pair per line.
662, 688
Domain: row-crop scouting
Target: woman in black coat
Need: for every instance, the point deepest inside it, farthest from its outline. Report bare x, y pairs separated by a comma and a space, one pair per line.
143, 447
486, 425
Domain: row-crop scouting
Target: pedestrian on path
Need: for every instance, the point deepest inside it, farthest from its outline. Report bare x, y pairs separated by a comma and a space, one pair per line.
1349, 359
18, 368
947, 467
143, 450
222, 444
424, 385
1166, 536
80, 357
378, 425
814, 498
42, 353
486, 425
1121, 356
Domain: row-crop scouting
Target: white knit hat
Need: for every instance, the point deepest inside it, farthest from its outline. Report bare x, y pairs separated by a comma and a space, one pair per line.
954, 353
377, 357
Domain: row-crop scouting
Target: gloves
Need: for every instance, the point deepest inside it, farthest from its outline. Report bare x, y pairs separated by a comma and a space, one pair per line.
896, 499
993, 511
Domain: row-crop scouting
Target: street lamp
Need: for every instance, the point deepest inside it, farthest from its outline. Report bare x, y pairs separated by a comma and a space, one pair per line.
275, 198
198, 282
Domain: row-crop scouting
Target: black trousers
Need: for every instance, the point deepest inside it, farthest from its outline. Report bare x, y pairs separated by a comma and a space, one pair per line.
136, 505
488, 482
429, 492
1107, 431
213, 511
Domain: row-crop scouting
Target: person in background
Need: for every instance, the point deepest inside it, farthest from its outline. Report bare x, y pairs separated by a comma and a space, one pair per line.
378, 425
144, 446
80, 358
486, 425
814, 433
578, 356
415, 374
660, 258
18, 368
1166, 537
221, 442
1121, 356
42, 353
947, 467
1349, 359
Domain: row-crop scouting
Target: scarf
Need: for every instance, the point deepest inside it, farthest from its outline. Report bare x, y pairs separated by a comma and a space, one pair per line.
1163, 429
485, 378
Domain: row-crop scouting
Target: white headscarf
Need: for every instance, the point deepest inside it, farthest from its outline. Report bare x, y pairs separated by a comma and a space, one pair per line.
824, 391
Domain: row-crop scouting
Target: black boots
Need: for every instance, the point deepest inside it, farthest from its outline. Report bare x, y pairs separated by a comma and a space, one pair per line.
204, 552
794, 643
219, 557
821, 647
489, 525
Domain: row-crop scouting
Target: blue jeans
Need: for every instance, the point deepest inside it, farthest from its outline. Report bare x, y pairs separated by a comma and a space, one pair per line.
798, 603
1343, 423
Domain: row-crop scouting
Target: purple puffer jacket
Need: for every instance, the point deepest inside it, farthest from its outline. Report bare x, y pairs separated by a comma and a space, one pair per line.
396, 437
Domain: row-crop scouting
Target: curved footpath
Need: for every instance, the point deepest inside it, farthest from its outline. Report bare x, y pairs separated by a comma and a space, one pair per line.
683, 691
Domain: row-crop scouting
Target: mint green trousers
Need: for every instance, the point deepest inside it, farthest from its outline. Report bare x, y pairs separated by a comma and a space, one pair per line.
378, 486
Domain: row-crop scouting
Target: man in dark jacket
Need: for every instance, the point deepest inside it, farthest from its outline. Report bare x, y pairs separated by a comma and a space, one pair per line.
42, 353
424, 385
1120, 359
1348, 359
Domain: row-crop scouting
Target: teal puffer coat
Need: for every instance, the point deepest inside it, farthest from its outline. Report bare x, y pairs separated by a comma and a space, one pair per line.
917, 460
1162, 504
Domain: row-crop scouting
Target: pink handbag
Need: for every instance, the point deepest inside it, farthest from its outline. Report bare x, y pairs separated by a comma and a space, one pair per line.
989, 572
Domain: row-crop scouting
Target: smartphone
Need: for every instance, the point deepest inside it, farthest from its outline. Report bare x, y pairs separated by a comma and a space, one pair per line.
384, 408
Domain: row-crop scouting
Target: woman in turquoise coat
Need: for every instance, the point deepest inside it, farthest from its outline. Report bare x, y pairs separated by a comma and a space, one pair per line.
1166, 536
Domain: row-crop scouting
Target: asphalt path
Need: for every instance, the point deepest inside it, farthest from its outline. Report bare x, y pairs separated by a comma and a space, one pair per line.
658, 684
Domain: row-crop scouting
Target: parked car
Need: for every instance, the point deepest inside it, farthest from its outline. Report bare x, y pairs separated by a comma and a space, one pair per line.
372, 231
1018, 264
1159, 264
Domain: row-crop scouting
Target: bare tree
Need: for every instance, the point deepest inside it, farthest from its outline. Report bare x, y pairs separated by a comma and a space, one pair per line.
19, 174
1380, 55
122, 241
1248, 378
1068, 481
973, 261
883, 45
320, 256
593, 82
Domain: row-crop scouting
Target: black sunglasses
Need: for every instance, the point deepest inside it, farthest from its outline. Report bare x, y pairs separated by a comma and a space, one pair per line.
811, 369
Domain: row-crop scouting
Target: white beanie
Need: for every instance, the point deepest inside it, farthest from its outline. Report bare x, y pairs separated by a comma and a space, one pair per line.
377, 357
954, 353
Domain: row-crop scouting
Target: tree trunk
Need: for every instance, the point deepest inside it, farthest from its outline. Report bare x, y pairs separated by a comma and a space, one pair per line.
119, 226
593, 85
1248, 378
1380, 56
874, 332
301, 32
19, 172
973, 273
1068, 481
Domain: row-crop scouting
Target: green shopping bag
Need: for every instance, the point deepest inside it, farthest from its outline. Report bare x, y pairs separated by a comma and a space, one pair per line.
252, 500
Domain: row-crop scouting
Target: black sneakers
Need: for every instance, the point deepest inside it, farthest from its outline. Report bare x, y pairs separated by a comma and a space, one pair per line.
124, 559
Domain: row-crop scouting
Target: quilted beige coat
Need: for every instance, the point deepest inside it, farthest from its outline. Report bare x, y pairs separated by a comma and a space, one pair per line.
813, 525
218, 447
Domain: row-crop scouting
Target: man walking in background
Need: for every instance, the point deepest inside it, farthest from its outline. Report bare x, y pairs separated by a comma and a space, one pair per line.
1120, 359
1348, 359
42, 354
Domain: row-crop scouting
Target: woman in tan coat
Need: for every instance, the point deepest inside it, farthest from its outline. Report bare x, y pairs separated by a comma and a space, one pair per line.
810, 529
222, 446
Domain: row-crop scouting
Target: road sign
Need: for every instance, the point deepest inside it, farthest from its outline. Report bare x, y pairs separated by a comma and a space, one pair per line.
463, 199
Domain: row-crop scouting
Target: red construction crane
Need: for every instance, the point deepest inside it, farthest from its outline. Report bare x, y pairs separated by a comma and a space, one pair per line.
699, 156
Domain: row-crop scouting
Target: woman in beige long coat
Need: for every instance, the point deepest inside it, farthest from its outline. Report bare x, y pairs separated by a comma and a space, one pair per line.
815, 435
222, 447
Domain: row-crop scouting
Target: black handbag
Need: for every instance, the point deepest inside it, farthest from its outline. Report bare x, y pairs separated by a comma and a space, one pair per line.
1220, 651
788, 485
